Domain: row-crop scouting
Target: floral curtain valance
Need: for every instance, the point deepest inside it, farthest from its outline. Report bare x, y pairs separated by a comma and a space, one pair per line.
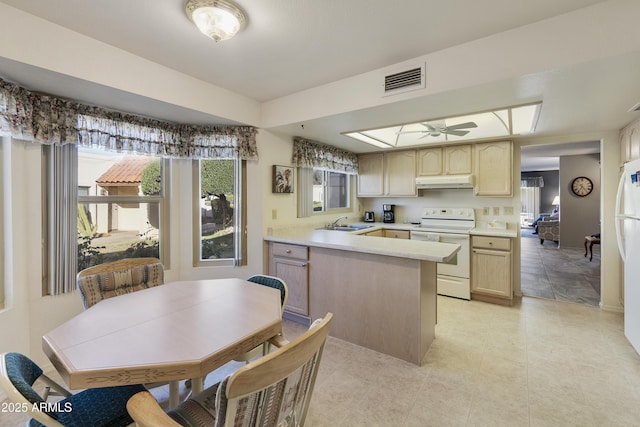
531, 181
314, 155
51, 120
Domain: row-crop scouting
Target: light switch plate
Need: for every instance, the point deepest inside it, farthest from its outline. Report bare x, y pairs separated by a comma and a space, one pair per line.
496, 210
508, 210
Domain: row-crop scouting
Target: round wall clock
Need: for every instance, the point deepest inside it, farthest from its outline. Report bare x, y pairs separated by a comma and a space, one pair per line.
581, 186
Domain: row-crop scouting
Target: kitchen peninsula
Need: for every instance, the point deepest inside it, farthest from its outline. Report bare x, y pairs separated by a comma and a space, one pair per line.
382, 291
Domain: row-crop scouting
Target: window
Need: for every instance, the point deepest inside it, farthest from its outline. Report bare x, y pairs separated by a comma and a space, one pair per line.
106, 206
219, 219
330, 190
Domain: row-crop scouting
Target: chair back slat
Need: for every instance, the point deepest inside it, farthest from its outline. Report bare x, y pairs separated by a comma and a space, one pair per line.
275, 389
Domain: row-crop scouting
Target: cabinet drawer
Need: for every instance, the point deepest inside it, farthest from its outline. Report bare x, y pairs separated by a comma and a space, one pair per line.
289, 251
396, 234
498, 243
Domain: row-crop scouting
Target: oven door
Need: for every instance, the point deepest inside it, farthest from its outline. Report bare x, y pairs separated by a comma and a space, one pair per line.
460, 265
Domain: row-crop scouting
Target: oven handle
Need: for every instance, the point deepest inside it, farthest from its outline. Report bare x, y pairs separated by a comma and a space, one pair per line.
449, 236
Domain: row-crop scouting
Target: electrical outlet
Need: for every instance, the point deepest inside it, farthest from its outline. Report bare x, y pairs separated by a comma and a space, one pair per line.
274, 213
496, 210
485, 211
508, 210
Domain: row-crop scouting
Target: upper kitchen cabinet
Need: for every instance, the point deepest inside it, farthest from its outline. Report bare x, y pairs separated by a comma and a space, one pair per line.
387, 174
493, 163
452, 160
457, 160
370, 175
630, 142
430, 162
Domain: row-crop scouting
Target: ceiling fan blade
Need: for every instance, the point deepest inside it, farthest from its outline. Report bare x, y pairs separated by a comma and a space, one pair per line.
462, 126
456, 132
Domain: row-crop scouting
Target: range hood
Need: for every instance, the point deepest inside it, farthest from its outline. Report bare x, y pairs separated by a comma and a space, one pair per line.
444, 181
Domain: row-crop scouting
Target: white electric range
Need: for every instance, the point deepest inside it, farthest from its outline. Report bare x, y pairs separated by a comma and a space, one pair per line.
450, 225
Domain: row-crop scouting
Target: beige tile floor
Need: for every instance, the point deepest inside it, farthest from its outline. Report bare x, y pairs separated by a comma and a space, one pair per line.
539, 363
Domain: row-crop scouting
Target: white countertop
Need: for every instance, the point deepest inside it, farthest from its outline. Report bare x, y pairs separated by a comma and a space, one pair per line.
483, 229
511, 233
352, 241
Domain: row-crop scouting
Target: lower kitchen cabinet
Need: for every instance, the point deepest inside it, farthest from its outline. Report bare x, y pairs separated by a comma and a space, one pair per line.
291, 264
491, 269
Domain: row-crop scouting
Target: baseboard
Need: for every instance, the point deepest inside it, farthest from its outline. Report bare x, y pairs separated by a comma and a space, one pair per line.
298, 318
611, 308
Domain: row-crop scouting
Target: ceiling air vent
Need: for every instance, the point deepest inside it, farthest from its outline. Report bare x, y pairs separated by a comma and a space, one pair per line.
404, 81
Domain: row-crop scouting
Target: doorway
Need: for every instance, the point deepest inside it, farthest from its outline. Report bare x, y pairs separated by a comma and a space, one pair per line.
549, 270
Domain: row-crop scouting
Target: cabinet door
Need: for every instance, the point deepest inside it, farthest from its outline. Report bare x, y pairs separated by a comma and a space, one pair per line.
430, 161
400, 173
634, 144
491, 272
493, 165
457, 160
370, 175
295, 275
377, 233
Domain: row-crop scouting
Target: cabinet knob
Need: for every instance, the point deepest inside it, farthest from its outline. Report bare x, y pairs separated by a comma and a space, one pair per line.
288, 251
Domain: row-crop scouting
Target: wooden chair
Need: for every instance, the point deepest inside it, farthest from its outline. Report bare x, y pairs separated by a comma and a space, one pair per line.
274, 390
272, 282
91, 407
118, 277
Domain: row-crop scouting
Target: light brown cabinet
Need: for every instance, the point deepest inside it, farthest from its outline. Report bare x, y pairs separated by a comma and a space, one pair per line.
457, 160
291, 264
387, 174
376, 233
430, 162
396, 234
630, 142
370, 175
451, 160
493, 169
491, 269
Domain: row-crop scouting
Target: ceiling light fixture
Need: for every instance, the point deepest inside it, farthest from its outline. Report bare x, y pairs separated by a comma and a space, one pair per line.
217, 19
504, 122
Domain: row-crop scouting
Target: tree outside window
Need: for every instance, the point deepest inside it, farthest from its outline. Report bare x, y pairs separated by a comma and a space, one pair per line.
219, 238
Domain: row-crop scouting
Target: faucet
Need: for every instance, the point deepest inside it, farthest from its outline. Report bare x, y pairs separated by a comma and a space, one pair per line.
335, 223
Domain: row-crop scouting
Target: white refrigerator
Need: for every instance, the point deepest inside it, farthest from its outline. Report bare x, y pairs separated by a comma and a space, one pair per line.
628, 236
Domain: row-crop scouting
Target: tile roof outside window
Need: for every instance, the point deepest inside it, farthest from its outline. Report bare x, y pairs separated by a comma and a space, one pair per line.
128, 171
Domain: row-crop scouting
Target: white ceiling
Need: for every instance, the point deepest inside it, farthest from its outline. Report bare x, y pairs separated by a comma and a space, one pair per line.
292, 46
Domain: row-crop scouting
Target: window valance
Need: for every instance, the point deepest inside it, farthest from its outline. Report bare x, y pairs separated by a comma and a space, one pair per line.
531, 181
50, 120
314, 155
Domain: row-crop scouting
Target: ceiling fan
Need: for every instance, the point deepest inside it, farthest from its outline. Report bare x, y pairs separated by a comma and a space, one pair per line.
440, 128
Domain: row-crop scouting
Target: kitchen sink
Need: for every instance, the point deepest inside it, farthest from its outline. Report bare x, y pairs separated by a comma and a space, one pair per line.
352, 227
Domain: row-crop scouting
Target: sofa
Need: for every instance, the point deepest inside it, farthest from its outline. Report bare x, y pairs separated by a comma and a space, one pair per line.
549, 229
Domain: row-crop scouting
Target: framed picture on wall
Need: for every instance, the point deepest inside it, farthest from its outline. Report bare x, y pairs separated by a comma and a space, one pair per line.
282, 179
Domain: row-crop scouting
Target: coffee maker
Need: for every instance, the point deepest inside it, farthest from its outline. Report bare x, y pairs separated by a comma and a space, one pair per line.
387, 213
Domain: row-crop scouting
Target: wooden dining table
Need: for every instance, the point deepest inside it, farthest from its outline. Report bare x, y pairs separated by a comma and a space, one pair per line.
180, 330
